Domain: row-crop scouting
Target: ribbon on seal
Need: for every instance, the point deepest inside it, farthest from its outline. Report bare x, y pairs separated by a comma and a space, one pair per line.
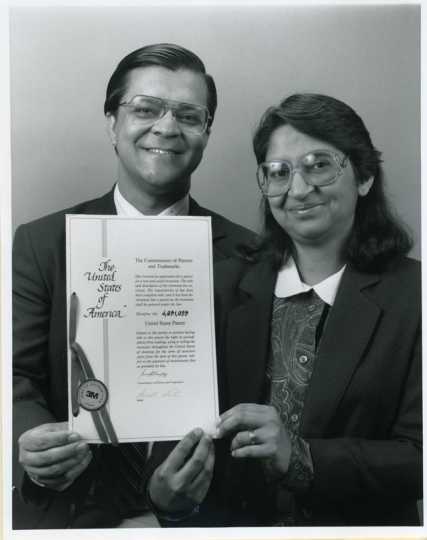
87, 391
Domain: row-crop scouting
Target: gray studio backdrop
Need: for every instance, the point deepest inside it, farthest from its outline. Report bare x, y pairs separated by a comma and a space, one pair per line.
61, 59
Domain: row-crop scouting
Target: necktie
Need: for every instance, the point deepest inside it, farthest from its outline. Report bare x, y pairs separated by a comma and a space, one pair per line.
120, 476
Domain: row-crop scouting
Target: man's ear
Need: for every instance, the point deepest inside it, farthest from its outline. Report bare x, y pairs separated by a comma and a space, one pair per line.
206, 137
364, 187
111, 124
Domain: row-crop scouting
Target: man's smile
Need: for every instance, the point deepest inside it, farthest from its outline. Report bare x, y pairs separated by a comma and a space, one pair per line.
161, 151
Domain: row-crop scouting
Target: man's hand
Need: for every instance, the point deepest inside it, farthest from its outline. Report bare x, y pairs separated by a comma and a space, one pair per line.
258, 433
52, 456
183, 479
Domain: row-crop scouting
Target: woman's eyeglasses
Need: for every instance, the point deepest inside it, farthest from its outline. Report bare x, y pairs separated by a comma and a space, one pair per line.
318, 168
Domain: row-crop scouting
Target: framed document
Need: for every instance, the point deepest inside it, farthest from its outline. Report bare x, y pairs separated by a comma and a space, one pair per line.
141, 358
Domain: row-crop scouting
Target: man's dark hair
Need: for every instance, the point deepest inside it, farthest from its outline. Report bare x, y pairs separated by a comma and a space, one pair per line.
377, 238
166, 55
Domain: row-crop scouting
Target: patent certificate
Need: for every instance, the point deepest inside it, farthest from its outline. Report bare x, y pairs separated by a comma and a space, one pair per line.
141, 341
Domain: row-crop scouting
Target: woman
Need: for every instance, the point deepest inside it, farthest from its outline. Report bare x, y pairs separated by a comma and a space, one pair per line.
318, 332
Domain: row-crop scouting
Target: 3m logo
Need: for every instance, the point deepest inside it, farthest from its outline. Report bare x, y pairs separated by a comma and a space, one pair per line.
92, 394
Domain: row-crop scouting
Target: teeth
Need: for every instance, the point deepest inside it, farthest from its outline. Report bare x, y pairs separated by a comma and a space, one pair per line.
159, 151
304, 210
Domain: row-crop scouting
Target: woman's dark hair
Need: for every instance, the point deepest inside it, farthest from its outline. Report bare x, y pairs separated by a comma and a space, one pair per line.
377, 237
166, 55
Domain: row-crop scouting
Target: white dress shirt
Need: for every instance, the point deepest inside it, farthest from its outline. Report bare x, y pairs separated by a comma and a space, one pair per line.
126, 209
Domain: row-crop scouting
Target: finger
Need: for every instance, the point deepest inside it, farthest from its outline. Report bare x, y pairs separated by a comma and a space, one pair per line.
54, 455
235, 410
243, 418
246, 438
57, 469
63, 481
253, 451
179, 455
265, 434
207, 471
197, 462
42, 438
246, 416
77, 470
242, 407
53, 426
51, 483
200, 485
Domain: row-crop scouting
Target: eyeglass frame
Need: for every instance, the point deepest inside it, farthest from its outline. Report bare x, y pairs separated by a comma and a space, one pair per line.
166, 103
340, 161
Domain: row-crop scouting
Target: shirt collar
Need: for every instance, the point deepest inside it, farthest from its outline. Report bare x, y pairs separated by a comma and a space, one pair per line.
289, 283
126, 209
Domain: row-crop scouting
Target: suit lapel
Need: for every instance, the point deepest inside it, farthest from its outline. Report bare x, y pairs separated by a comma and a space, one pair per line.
103, 205
348, 330
248, 334
218, 227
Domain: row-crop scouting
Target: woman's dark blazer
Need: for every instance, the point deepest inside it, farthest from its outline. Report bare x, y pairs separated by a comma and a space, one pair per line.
362, 414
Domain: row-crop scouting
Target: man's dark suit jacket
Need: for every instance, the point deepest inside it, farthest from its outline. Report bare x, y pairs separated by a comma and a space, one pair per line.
362, 414
40, 350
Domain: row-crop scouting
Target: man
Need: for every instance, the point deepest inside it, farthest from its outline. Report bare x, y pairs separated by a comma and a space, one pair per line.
160, 105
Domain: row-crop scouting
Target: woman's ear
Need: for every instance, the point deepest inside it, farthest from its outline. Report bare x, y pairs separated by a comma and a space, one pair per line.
365, 186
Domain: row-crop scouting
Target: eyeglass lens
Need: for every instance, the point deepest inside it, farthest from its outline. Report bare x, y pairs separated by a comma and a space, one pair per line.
151, 109
317, 169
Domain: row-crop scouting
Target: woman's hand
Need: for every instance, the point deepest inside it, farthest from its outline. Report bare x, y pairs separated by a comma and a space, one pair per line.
258, 433
181, 482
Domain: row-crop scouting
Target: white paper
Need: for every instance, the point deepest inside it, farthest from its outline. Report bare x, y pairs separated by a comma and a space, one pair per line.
145, 322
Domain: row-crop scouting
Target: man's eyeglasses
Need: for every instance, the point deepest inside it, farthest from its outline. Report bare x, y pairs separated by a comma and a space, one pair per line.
149, 109
318, 168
